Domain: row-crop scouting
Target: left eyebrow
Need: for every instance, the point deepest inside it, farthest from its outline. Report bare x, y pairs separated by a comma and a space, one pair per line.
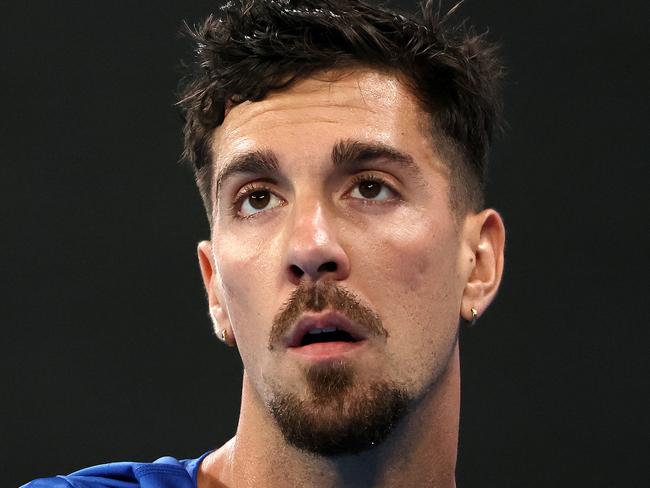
349, 153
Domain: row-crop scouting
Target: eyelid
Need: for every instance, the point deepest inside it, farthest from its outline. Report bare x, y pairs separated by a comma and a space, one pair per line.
257, 183
247, 190
373, 176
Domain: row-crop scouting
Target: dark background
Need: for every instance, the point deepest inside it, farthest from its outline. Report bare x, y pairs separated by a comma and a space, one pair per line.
107, 351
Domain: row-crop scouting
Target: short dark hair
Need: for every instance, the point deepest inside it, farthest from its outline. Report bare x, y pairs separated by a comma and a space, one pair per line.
253, 46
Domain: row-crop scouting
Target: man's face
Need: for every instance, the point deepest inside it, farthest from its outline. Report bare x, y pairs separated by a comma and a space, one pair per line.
333, 211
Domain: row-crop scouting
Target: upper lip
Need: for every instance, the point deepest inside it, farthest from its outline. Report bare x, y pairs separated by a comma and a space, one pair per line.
323, 320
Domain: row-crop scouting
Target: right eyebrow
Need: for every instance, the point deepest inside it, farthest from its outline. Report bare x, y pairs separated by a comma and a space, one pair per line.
253, 162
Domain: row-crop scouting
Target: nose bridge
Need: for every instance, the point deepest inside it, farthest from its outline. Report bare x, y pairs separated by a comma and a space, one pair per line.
312, 224
313, 245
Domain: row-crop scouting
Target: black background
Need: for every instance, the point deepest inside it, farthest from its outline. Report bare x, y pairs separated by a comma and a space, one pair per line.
107, 350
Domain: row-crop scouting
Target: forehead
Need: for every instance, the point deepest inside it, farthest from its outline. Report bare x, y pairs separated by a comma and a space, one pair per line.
309, 117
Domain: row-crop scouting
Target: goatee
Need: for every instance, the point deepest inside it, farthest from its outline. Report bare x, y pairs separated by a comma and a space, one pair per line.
339, 417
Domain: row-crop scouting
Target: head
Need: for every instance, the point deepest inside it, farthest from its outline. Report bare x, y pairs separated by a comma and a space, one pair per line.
341, 152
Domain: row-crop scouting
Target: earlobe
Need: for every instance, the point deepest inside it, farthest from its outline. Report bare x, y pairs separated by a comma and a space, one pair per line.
486, 243
221, 326
219, 316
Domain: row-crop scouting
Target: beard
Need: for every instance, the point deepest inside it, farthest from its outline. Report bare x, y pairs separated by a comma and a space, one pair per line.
339, 417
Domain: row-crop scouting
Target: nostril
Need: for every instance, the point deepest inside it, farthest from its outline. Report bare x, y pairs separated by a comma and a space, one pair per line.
329, 266
296, 271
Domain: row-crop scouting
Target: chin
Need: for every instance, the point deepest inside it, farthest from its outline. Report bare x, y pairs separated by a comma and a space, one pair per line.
339, 416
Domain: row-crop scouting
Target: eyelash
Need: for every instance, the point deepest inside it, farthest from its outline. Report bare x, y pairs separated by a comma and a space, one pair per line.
251, 188
371, 177
243, 194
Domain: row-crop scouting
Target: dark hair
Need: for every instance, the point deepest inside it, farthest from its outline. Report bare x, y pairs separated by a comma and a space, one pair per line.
254, 46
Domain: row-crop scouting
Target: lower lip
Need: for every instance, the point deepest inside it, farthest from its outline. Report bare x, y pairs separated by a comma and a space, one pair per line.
327, 350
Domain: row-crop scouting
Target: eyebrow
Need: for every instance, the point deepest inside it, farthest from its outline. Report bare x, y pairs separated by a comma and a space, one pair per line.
346, 154
254, 162
350, 154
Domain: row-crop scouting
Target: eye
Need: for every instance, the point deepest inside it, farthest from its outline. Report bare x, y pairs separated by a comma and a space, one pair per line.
372, 188
257, 200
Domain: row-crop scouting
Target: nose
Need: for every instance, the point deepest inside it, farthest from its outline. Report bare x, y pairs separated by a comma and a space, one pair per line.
314, 251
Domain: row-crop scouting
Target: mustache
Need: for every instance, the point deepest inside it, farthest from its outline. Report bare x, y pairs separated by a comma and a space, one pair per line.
316, 297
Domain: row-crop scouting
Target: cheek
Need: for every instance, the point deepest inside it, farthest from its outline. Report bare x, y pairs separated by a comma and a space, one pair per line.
415, 287
244, 267
416, 255
424, 276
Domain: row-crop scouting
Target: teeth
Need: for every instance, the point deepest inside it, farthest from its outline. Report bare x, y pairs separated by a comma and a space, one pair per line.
320, 331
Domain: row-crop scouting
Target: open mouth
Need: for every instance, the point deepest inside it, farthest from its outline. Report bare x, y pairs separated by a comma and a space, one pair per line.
324, 335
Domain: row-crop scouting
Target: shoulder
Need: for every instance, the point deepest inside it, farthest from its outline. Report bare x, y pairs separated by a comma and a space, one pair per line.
166, 472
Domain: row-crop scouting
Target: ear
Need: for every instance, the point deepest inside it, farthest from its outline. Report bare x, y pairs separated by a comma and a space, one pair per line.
485, 237
218, 314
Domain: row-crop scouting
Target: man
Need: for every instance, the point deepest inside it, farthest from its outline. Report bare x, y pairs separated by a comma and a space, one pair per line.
340, 150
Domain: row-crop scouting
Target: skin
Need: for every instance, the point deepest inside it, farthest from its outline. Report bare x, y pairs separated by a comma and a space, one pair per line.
405, 254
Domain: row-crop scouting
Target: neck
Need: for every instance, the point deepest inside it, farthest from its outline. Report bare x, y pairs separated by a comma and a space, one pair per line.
421, 451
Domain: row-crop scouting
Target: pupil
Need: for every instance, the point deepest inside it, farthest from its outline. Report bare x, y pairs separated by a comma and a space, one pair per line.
369, 189
259, 199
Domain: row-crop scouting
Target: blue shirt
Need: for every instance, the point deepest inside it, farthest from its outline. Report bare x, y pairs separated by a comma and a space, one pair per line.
166, 472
